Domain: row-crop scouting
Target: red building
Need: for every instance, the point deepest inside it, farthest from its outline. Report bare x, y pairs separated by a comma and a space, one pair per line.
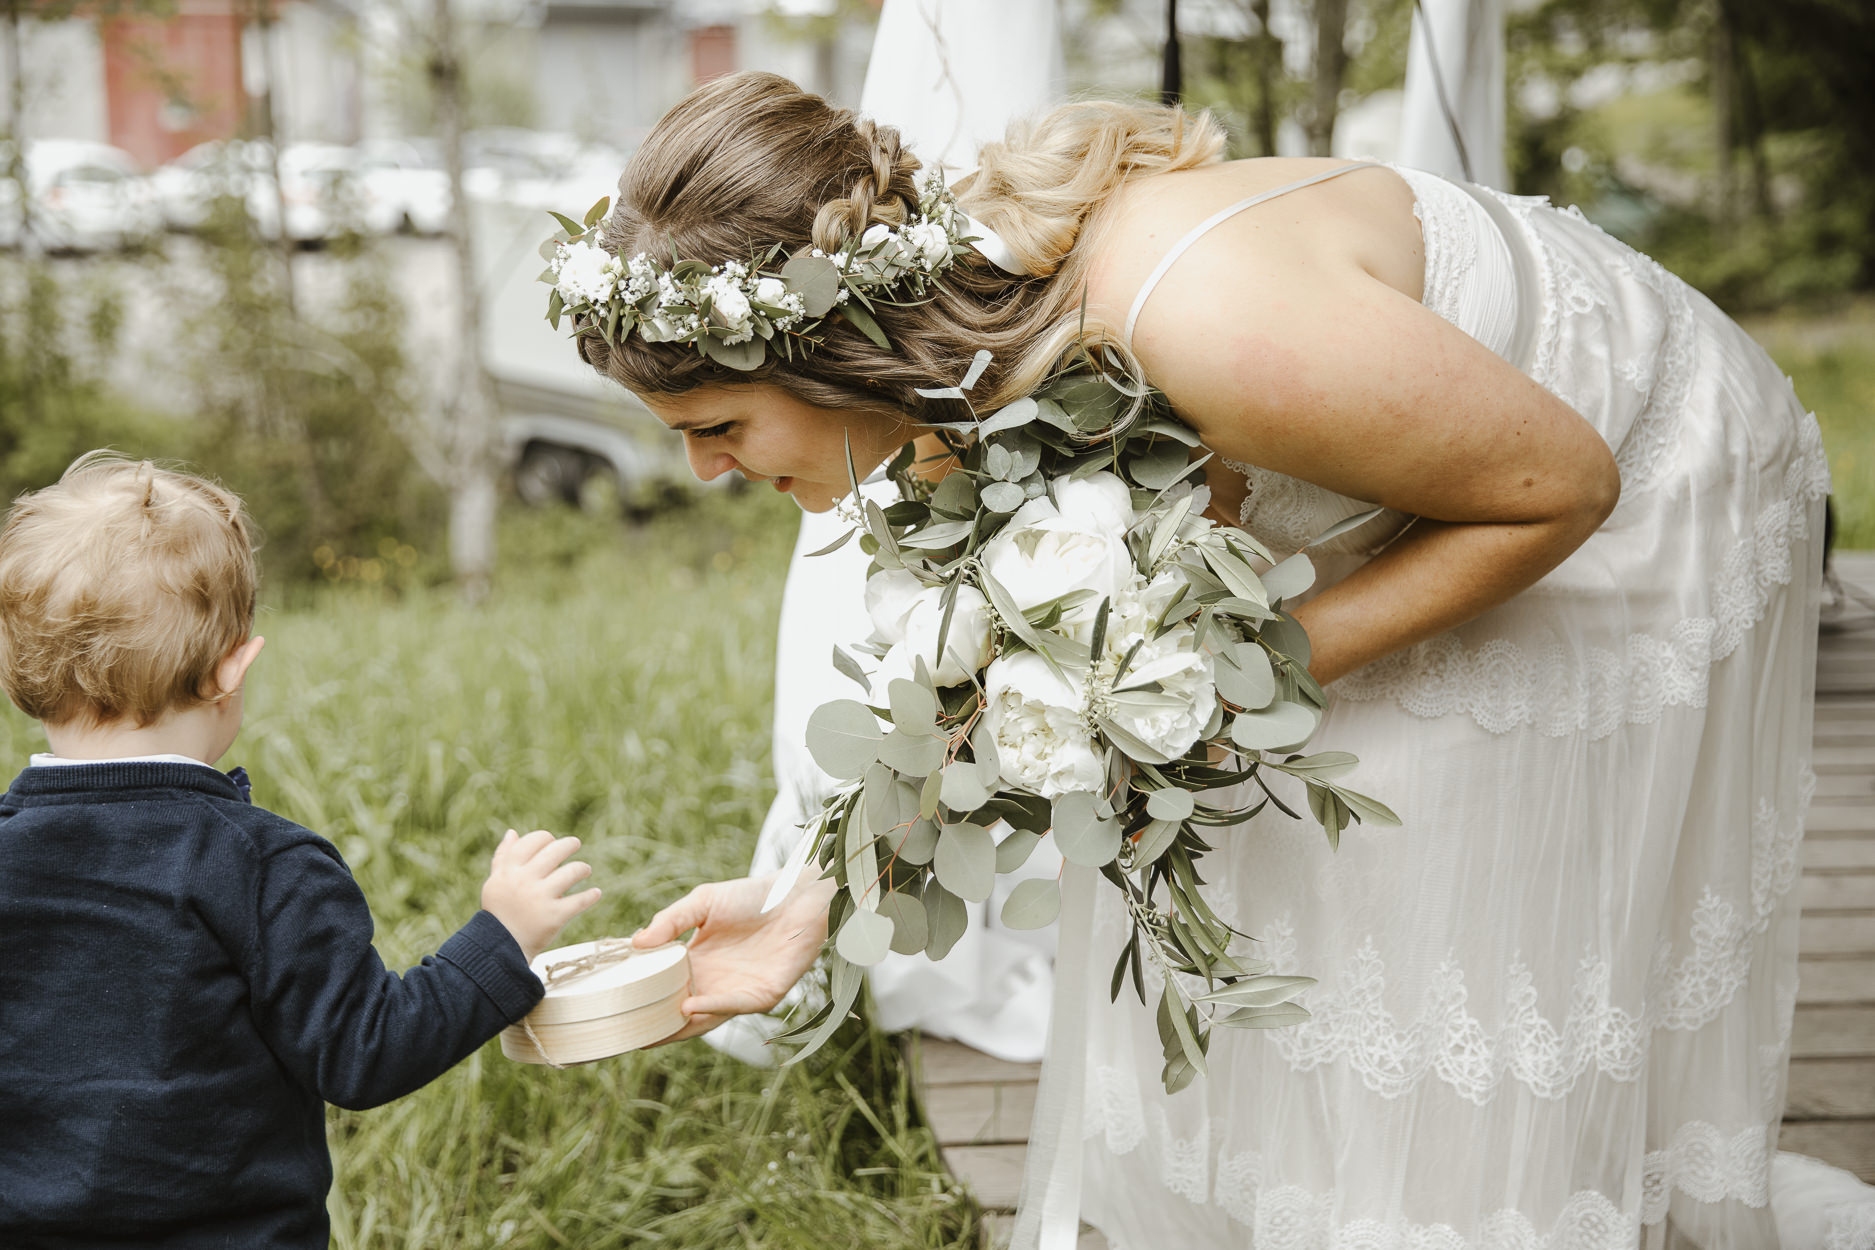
175, 81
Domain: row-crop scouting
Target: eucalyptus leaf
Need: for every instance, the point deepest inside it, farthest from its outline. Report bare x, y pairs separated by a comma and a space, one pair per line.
835, 545
938, 536
915, 755
865, 938
1033, 904
1153, 841
1257, 991
1287, 636
1280, 1016
1280, 727
914, 707
844, 979
963, 792
1371, 811
966, 861
919, 842
844, 737
863, 321
815, 279
910, 927
1290, 578
846, 665
1322, 766
1171, 803
742, 357
1021, 412
1244, 677
1002, 497
1344, 527
1081, 835
1015, 848
947, 918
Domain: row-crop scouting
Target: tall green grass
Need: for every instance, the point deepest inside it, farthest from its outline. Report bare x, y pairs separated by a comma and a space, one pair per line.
617, 687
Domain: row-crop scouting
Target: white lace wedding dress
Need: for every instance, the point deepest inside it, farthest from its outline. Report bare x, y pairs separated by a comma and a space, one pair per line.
1554, 1008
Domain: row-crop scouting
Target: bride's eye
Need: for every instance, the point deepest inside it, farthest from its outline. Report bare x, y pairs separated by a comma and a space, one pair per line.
713, 431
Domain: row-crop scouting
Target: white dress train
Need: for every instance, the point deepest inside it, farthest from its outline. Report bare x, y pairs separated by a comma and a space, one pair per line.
1554, 1008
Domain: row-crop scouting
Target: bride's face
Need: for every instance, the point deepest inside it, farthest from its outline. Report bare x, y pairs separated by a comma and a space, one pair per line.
767, 434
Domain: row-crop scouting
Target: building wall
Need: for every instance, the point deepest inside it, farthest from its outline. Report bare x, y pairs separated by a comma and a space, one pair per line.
173, 82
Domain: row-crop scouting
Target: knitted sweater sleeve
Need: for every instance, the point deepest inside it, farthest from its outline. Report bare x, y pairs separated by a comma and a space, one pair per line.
337, 1018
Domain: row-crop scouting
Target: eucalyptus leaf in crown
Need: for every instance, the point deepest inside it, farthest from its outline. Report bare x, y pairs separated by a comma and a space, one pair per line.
734, 312
1065, 643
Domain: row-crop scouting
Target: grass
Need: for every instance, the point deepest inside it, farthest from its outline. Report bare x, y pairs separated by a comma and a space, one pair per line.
618, 687
1831, 358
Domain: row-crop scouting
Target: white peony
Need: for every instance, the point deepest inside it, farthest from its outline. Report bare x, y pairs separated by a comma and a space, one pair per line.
928, 242
1170, 719
890, 595
1077, 541
730, 307
585, 274
966, 647
771, 291
1039, 723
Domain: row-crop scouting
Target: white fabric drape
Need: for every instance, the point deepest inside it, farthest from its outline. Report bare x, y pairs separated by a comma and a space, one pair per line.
1468, 39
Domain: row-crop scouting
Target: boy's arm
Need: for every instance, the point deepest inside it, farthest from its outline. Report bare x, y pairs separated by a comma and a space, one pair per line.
351, 1029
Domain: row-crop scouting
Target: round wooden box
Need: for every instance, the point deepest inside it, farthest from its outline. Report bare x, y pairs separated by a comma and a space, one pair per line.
603, 998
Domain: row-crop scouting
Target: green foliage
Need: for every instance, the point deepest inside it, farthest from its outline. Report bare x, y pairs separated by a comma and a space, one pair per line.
623, 697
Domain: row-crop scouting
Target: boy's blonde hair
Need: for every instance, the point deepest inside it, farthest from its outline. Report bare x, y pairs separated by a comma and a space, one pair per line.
121, 589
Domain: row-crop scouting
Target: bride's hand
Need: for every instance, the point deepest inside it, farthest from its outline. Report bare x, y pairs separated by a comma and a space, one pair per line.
742, 961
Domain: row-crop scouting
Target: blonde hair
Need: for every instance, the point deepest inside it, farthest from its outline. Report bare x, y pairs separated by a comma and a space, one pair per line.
751, 160
121, 589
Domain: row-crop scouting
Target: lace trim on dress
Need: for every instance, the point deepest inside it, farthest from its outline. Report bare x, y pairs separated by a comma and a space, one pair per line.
1851, 1227
1504, 686
1702, 1161
1351, 1023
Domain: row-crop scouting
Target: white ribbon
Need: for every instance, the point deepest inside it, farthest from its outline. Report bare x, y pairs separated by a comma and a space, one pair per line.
991, 245
1048, 1214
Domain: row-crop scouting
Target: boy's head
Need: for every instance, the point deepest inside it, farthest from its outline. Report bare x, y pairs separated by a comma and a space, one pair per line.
122, 588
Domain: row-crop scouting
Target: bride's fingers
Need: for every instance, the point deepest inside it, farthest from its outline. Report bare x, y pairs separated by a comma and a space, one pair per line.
688, 912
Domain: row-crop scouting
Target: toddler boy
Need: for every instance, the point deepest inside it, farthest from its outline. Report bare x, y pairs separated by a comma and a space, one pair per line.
186, 979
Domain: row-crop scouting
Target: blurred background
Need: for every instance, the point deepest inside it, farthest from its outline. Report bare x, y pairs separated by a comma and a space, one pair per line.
293, 244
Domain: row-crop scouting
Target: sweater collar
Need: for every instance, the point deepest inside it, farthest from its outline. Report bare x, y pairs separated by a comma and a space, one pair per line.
127, 777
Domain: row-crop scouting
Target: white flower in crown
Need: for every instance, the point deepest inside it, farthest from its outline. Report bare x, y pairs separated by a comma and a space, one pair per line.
930, 241
586, 274
730, 307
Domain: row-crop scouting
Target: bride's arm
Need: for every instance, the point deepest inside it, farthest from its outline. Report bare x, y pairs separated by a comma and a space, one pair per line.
1329, 375
742, 960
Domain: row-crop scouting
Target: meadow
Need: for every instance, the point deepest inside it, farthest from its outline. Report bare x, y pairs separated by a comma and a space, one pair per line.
617, 687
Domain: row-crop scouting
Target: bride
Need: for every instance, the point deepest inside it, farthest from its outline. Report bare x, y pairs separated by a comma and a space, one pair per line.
1575, 652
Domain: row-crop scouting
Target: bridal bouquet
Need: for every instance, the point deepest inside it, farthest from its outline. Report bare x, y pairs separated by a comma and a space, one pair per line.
1065, 644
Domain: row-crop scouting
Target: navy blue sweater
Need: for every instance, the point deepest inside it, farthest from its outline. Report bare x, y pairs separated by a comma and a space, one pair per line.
185, 981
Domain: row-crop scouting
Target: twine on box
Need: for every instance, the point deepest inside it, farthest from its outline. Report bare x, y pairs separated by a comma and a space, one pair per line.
604, 953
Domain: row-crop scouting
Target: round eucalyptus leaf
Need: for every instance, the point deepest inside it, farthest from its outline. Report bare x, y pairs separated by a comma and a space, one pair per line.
1081, 835
844, 737
1015, 848
997, 460
919, 841
914, 706
815, 279
1291, 577
1171, 803
910, 928
1280, 727
742, 357
963, 792
865, 938
1286, 634
1003, 496
914, 756
966, 861
1244, 676
1033, 904
947, 918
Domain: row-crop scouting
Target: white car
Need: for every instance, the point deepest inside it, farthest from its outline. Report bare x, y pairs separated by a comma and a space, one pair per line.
188, 186
405, 186
323, 189
83, 196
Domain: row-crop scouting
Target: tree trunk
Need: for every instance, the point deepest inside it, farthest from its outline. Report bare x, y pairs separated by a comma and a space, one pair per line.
270, 131
471, 444
1331, 68
1265, 51
1724, 115
16, 120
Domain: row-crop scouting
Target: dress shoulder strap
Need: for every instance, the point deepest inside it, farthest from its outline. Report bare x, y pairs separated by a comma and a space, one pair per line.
1223, 214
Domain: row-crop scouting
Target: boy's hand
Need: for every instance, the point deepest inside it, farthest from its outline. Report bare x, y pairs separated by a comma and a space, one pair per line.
525, 883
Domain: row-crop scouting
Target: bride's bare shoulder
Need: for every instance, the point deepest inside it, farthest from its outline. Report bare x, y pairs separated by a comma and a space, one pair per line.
1147, 218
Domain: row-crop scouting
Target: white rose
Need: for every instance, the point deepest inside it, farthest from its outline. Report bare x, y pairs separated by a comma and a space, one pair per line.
771, 291
928, 240
1170, 719
875, 235
1040, 728
584, 274
729, 306
966, 647
890, 595
1076, 541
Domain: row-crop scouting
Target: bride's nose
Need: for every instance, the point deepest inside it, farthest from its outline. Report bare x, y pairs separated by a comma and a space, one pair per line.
707, 464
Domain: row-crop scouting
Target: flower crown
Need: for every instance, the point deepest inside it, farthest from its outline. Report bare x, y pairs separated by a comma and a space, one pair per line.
732, 312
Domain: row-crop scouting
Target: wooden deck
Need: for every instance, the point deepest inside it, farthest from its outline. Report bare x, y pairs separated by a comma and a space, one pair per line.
979, 1107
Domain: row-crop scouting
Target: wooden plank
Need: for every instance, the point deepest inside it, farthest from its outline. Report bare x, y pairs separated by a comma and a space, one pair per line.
1828, 759
1843, 710
1835, 982
978, 1115
1848, 1144
1842, 890
1844, 852
1831, 1089
1833, 1033
1827, 818
1847, 785
993, 1174
938, 1061
1837, 933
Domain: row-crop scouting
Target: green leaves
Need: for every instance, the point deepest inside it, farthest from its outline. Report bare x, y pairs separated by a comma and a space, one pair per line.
843, 737
1033, 904
815, 279
1081, 834
966, 861
865, 938
1244, 676
1280, 727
